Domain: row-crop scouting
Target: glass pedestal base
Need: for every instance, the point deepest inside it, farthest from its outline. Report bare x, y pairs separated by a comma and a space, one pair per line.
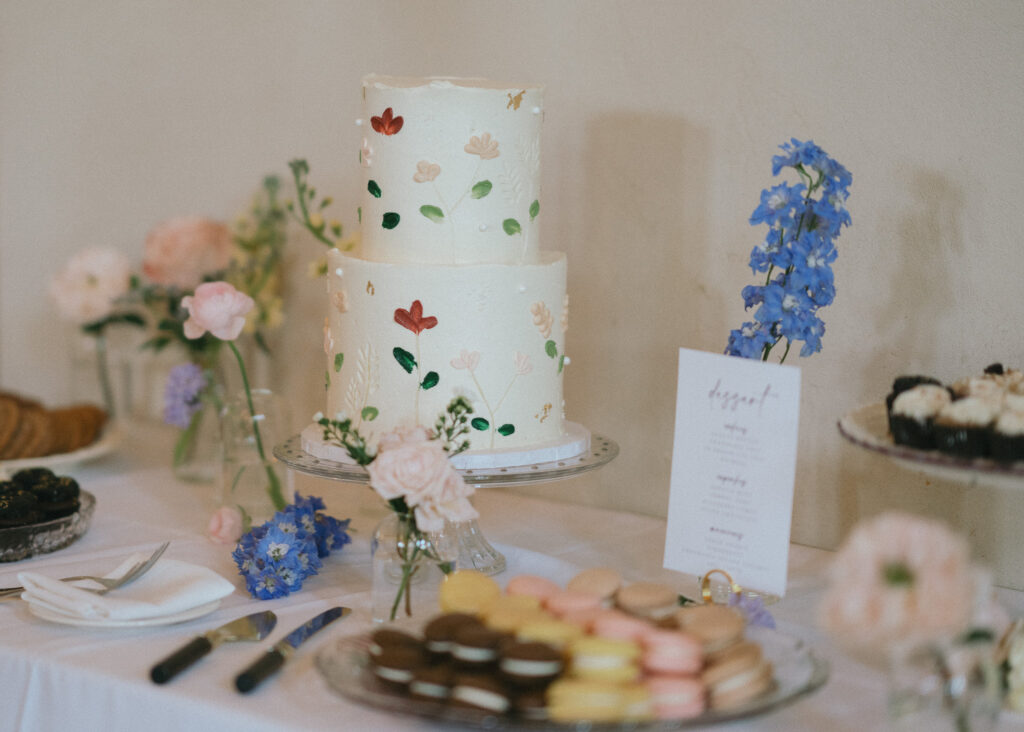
475, 552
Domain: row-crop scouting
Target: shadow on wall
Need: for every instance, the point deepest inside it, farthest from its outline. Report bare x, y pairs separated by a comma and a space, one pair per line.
636, 268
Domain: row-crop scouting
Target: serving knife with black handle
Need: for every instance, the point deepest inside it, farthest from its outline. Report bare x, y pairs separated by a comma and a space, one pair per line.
271, 661
254, 627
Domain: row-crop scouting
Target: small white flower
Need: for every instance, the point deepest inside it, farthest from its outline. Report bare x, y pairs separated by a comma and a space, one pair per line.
318, 416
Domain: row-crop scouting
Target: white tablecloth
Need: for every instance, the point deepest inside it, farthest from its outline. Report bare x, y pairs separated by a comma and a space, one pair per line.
54, 677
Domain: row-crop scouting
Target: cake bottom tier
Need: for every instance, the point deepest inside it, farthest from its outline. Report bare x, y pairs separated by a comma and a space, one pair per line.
402, 340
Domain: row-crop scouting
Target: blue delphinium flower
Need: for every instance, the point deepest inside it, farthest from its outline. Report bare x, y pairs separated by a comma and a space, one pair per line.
277, 556
796, 254
183, 394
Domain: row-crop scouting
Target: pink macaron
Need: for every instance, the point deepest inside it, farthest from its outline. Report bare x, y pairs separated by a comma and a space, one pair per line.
619, 625
676, 697
532, 586
585, 618
565, 602
671, 653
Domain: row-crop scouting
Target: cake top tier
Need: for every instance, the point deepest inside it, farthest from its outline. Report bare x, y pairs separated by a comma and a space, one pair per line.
451, 170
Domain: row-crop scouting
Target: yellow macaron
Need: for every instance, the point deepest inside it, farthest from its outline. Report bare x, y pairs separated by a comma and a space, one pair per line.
467, 591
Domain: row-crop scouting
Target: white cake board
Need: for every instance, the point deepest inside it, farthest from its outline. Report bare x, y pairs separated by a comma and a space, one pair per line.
575, 441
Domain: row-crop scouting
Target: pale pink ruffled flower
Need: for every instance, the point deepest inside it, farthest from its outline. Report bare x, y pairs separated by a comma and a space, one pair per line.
899, 578
216, 307
466, 360
426, 171
181, 251
225, 525
419, 472
85, 290
522, 363
483, 146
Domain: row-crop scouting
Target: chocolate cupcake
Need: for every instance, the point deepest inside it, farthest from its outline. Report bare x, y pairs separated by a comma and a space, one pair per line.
905, 383
1007, 438
57, 496
19, 508
962, 427
913, 412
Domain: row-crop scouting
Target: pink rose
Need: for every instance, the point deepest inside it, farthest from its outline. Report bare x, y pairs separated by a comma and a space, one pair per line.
403, 435
216, 307
225, 525
180, 251
85, 290
413, 471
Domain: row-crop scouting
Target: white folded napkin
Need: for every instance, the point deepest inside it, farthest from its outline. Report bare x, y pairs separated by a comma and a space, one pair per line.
168, 588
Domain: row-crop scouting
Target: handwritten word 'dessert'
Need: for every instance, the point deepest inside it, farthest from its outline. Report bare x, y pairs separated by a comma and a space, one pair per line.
731, 401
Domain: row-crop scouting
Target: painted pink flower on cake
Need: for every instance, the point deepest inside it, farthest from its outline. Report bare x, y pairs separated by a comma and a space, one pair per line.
225, 525
483, 146
899, 578
180, 251
466, 360
413, 318
366, 154
522, 363
387, 123
216, 307
426, 171
340, 300
85, 290
328, 337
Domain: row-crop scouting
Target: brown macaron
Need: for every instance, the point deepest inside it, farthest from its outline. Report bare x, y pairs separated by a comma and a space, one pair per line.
528, 664
481, 691
432, 683
384, 638
603, 582
476, 646
395, 665
649, 600
716, 626
737, 675
438, 633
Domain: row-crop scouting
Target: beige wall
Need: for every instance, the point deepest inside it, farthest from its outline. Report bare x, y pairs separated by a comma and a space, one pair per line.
661, 119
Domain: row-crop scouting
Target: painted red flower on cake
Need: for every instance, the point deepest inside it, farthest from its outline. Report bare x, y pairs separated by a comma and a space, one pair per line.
387, 123
413, 318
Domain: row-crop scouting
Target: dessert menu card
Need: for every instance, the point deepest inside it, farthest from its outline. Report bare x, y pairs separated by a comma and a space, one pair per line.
733, 464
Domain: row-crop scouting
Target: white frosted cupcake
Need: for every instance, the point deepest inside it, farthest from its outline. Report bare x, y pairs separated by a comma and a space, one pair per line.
1007, 439
913, 413
962, 427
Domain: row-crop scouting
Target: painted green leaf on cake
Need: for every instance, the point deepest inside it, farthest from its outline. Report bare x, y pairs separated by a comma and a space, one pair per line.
551, 348
405, 359
373, 188
359, 214
391, 220
327, 380
479, 423
534, 210
511, 226
561, 364
481, 189
370, 413
506, 429
339, 359
433, 213
430, 380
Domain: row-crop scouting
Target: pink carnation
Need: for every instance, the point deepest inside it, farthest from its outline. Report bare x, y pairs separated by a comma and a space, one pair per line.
85, 290
225, 525
181, 251
899, 577
216, 307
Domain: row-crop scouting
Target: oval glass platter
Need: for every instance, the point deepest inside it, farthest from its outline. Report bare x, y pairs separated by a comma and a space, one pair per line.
868, 427
22, 542
344, 664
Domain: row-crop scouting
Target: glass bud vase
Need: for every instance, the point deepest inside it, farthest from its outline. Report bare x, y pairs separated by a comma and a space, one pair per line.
197, 447
408, 568
251, 478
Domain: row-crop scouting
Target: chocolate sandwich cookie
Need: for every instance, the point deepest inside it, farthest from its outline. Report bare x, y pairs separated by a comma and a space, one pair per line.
385, 638
57, 496
394, 666
19, 508
476, 646
531, 704
438, 633
481, 691
432, 683
530, 664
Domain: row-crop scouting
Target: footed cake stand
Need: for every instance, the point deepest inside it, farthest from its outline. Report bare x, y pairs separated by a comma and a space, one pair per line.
474, 549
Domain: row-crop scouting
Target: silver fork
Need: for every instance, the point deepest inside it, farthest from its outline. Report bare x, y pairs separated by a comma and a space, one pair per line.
109, 583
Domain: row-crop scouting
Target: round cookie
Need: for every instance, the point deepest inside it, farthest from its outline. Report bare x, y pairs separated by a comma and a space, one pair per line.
601, 581
395, 665
566, 601
432, 683
19, 508
716, 626
737, 675
531, 704
384, 638
557, 633
574, 700
671, 653
57, 496
525, 664
10, 416
468, 591
476, 646
619, 625
649, 600
675, 697
481, 691
604, 659
437, 634
532, 586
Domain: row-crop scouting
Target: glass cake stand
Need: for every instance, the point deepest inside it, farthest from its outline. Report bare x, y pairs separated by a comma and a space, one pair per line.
474, 549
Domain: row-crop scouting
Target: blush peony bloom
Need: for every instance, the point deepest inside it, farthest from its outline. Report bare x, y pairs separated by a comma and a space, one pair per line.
899, 578
181, 251
225, 525
85, 290
216, 307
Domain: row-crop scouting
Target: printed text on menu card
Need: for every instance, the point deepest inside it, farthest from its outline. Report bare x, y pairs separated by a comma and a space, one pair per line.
733, 465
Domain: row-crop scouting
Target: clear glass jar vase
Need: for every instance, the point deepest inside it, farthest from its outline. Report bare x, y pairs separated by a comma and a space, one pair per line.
251, 478
408, 568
